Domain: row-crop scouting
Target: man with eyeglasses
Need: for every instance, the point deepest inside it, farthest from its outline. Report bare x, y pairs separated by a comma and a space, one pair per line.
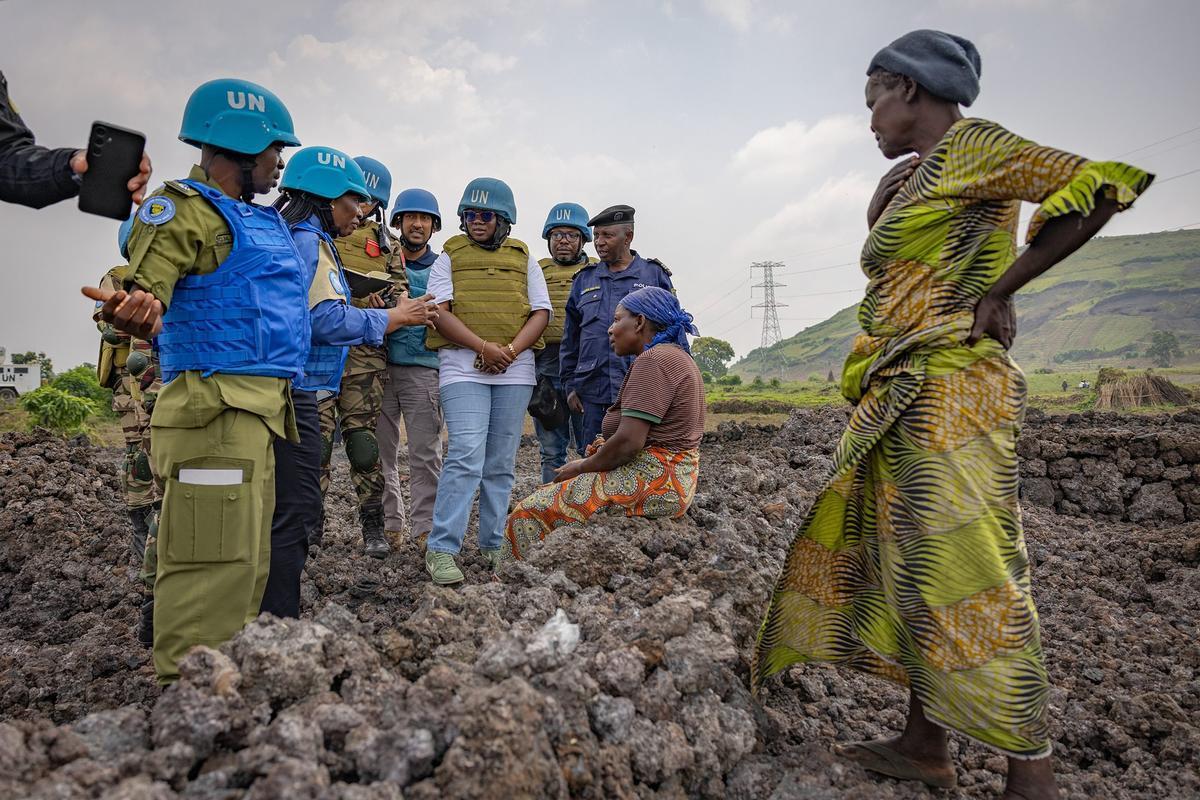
565, 231
590, 371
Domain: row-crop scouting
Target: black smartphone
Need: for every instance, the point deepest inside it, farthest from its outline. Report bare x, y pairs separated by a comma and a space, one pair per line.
114, 156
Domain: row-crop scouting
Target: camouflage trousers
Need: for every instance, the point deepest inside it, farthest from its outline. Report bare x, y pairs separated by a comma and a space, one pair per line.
357, 408
137, 475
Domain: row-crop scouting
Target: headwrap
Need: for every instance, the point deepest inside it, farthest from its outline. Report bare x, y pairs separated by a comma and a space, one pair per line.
948, 66
662, 308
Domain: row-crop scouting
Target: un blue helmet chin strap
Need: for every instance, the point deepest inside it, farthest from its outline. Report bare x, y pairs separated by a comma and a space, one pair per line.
247, 163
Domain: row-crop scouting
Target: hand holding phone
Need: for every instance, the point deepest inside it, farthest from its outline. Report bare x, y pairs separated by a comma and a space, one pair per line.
114, 169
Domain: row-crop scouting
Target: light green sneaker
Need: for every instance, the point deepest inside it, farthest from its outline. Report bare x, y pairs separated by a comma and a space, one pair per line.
442, 569
492, 557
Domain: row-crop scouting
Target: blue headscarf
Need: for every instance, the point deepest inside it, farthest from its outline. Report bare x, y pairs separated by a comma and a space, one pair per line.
662, 308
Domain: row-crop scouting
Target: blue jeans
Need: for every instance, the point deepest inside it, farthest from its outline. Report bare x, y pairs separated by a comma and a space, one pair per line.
593, 419
483, 424
555, 443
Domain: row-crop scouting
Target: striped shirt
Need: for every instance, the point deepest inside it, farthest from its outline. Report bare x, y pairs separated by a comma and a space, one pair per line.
664, 388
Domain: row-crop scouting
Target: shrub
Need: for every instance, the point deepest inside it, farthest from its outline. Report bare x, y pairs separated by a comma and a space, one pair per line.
81, 382
58, 410
729, 380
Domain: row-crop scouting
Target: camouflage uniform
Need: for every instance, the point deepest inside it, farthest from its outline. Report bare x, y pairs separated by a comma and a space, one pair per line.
360, 397
133, 404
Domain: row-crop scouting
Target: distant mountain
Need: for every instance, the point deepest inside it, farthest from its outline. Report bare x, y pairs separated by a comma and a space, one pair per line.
1097, 307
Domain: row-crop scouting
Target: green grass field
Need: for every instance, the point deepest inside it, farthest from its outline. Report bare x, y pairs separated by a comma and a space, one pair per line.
1045, 392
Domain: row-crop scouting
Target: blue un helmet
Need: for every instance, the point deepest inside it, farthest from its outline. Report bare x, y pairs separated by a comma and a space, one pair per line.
489, 194
568, 215
123, 235
324, 172
236, 115
419, 201
378, 179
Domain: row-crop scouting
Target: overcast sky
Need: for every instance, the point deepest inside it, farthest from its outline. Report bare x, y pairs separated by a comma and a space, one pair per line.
735, 127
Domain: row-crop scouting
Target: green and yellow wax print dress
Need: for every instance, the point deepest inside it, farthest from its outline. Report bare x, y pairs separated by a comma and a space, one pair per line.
911, 564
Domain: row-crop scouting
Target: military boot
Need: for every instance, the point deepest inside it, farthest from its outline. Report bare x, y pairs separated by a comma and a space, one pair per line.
140, 519
375, 543
145, 631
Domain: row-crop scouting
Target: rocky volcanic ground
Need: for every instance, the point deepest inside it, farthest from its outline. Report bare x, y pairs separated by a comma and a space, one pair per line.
612, 664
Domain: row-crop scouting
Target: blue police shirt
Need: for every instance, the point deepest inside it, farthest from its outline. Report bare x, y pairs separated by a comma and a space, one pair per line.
335, 322
587, 364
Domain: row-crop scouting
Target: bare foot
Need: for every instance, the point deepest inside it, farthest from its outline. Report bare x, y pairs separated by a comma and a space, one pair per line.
894, 758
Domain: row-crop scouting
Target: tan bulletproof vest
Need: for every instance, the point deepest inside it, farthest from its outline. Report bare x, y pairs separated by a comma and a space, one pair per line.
360, 252
558, 284
491, 290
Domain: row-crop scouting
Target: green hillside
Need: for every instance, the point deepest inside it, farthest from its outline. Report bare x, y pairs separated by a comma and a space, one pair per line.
1097, 307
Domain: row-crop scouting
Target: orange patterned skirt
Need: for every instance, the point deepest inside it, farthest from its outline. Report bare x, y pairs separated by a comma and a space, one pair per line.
657, 483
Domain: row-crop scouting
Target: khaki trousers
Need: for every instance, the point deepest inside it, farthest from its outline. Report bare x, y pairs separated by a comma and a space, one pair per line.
411, 393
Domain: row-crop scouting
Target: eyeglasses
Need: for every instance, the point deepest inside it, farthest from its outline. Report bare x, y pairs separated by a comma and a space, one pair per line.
564, 236
482, 216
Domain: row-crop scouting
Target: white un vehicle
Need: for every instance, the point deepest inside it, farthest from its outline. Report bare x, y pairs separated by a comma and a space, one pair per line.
17, 379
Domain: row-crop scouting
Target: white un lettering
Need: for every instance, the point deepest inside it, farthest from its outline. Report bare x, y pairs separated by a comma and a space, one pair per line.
240, 99
329, 158
372, 180
564, 213
479, 196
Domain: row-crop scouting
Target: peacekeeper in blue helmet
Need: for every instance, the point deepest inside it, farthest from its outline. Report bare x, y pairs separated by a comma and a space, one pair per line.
218, 280
324, 191
371, 249
411, 391
591, 372
566, 231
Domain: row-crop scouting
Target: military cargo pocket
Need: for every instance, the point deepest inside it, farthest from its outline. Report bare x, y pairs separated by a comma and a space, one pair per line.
209, 511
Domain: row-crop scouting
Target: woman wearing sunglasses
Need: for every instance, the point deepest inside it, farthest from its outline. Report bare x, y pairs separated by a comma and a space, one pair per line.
493, 307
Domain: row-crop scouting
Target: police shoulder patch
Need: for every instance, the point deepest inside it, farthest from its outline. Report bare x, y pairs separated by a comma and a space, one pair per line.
156, 210
660, 265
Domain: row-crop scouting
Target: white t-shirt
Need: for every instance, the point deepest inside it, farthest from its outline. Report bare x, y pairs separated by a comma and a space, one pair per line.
458, 364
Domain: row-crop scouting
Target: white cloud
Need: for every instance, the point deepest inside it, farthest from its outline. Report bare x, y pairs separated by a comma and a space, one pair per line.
465, 53
826, 217
737, 13
795, 149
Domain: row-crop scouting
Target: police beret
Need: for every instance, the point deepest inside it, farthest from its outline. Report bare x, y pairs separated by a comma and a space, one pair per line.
613, 215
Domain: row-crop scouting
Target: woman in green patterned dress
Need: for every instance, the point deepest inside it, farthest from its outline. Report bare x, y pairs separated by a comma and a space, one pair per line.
911, 564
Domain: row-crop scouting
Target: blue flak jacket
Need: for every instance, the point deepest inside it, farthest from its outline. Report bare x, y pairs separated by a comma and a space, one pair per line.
406, 346
250, 315
323, 368
587, 364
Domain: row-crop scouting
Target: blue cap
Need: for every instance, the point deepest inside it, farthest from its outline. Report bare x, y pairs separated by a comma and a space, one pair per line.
568, 215
236, 115
419, 201
324, 172
378, 179
489, 194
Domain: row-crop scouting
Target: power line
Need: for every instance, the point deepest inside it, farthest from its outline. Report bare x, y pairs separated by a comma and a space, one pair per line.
1155, 144
818, 294
1160, 182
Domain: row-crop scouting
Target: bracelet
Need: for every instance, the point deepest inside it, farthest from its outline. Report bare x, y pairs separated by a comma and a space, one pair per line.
510, 349
482, 347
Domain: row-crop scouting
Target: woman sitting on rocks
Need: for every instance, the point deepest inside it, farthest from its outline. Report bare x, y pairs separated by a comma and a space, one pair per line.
647, 458
911, 564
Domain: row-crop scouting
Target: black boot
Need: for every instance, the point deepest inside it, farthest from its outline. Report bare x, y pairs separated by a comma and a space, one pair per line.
375, 543
145, 631
140, 519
